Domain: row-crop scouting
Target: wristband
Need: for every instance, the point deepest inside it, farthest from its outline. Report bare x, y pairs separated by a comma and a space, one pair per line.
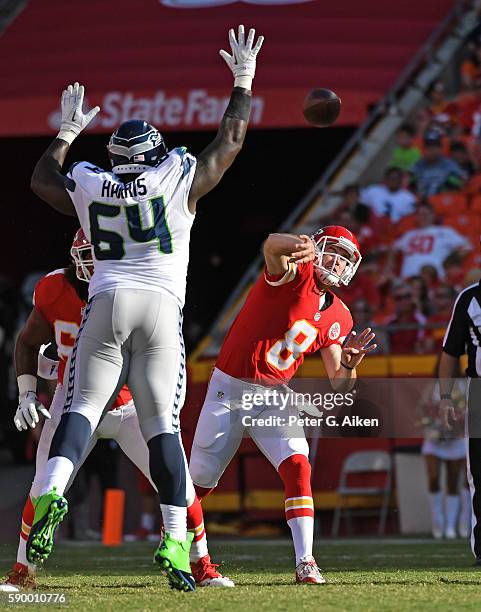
346, 366
26, 383
243, 81
67, 135
446, 396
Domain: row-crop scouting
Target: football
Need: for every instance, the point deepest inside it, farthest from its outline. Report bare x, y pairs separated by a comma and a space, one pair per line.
321, 107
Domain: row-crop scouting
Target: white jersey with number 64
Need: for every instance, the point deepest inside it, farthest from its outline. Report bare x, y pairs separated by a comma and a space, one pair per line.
139, 231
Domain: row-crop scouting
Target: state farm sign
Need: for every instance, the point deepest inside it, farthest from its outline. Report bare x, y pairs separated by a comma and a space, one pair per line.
195, 108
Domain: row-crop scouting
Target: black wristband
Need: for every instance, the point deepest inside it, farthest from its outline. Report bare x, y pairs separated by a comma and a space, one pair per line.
446, 396
239, 106
346, 366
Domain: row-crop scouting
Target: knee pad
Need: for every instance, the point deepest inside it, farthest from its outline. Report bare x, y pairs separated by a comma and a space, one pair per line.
204, 468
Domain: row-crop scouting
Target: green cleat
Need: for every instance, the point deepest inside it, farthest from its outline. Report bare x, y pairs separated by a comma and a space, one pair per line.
173, 557
50, 509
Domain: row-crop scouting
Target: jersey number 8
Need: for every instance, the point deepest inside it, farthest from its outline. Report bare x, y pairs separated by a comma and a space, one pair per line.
296, 341
115, 249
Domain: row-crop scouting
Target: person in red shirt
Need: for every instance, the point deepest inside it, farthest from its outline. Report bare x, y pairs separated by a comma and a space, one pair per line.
289, 313
59, 300
405, 326
443, 299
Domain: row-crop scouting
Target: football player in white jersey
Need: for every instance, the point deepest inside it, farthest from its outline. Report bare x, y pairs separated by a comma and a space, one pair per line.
138, 219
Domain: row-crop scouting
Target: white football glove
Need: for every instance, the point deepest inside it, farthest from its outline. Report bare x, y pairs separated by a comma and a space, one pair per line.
73, 118
27, 411
242, 62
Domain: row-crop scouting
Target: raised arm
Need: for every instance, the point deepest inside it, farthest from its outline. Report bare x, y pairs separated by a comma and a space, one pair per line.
281, 249
34, 333
219, 155
47, 181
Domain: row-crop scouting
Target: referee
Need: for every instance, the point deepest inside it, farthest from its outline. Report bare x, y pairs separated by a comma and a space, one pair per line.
463, 336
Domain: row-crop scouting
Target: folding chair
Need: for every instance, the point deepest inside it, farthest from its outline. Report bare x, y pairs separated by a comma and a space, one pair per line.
363, 462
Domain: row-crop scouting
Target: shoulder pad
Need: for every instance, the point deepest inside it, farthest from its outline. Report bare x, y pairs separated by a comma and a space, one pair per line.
49, 288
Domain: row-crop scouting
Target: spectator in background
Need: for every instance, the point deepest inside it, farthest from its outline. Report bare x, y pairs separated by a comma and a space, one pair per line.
405, 326
406, 154
443, 446
471, 67
430, 277
350, 197
389, 198
420, 293
434, 172
442, 301
454, 272
362, 313
427, 244
470, 109
443, 114
460, 154
471, 277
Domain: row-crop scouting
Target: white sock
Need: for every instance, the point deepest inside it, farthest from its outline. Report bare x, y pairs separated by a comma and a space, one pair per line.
22, 551
147, 521
465, 512
302, 529
437, 510
199, 549
59, 470
452, 509
175, 521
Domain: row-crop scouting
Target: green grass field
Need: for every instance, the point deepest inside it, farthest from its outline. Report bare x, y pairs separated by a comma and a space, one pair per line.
373, 574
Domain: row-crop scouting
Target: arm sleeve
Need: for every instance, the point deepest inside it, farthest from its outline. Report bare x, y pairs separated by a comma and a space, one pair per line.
457, 241
454, 342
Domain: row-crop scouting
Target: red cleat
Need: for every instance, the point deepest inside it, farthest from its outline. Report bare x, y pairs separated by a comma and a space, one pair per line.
307, 572
206, 575
18, 579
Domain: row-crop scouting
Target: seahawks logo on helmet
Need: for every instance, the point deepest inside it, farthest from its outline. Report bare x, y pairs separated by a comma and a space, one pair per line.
136, 140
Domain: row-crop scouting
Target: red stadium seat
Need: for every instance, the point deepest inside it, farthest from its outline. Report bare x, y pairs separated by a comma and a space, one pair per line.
467, 224
475, 205
449, 203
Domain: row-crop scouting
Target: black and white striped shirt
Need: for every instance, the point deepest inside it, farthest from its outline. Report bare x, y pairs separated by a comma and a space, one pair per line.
463, 335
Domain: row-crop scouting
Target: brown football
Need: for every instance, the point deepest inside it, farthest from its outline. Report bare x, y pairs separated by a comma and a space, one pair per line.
321, 107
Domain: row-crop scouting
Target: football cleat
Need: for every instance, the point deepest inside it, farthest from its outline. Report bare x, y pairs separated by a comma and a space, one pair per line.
307, 572
173, 558
18, 579
206, 575
49, 512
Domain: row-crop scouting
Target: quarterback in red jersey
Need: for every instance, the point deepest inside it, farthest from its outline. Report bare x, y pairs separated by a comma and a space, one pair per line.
288, 313
59, 300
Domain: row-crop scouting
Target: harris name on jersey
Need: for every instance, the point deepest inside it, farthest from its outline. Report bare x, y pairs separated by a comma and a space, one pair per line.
134, 189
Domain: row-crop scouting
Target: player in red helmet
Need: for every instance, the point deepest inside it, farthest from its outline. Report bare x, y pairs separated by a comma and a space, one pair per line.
289, 313
81, 253
59, 300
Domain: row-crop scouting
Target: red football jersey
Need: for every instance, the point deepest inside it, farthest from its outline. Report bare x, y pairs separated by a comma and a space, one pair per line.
283, 319
58, 303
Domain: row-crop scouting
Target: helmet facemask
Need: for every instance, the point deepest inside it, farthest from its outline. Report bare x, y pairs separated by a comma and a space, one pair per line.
327, 272
84, 263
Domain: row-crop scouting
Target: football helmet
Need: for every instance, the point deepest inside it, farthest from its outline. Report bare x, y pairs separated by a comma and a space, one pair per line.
136, 146
81, 253
325, 239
